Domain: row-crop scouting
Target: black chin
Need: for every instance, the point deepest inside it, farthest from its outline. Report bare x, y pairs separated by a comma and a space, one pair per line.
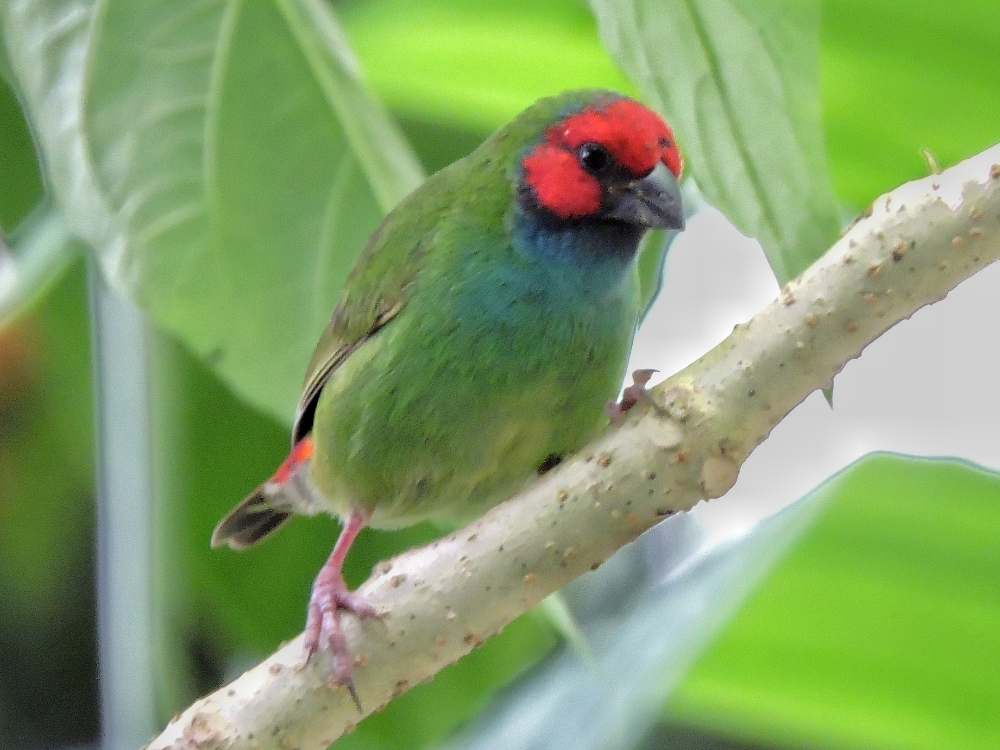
592, 240
619, 237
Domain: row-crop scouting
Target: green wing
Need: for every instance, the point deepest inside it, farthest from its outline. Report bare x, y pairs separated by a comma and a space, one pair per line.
378, 287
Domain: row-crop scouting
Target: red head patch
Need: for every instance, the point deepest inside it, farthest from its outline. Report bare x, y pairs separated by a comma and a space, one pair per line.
634, 135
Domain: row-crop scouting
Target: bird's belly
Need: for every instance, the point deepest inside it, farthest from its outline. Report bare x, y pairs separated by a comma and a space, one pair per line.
468, 468
415, 427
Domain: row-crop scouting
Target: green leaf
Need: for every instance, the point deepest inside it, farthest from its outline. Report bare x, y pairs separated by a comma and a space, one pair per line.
898, 77
223, 159
739, 83
881, 628
20, 175
477, 64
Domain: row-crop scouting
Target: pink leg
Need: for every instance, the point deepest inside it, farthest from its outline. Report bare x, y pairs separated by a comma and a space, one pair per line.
631, 396
329, 597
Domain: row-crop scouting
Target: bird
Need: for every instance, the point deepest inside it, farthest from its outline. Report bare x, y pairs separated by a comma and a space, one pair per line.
485, 326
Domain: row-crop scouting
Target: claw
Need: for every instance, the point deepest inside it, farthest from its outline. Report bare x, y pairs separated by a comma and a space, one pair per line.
349, 684
329, 600
632, 395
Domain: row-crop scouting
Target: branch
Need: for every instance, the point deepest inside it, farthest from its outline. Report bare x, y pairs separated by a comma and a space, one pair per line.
909, 250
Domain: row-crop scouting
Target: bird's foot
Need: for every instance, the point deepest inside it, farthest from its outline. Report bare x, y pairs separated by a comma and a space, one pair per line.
632, 395
330, 598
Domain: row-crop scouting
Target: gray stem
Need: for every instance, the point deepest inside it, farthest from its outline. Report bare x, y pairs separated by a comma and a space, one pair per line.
124, 518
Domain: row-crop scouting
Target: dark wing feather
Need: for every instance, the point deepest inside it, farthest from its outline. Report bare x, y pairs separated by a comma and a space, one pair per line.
328, 358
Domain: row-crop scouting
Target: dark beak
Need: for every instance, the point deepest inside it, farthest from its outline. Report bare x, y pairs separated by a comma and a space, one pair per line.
654, 201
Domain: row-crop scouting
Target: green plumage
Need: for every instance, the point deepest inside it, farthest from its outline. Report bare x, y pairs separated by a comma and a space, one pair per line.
486, 323
489, 357
484, 328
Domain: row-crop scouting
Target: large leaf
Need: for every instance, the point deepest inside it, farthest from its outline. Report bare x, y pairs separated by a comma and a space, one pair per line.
477, 63
223, 159
881, 628
901, 76
739, 81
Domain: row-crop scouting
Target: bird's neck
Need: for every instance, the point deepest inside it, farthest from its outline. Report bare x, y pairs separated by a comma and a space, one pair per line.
594, 255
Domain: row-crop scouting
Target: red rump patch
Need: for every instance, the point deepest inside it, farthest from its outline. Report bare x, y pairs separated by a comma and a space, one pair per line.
301, 452
635, 136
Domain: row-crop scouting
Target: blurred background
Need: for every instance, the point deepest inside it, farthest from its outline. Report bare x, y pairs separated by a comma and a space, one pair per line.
865, 616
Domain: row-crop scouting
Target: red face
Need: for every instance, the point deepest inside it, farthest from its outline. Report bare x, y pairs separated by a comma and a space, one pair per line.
621, 138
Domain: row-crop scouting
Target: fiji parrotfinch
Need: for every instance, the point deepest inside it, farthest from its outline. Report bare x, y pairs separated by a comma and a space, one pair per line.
486, 324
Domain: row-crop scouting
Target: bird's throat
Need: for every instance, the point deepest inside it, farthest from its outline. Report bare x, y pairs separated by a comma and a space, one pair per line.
594, 254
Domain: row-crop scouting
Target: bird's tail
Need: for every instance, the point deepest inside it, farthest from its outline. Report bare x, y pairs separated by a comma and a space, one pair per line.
271, 504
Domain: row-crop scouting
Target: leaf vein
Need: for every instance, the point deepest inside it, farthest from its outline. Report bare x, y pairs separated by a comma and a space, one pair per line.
715, 71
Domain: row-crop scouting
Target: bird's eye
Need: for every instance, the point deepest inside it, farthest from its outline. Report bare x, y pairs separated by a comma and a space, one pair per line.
594, 157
